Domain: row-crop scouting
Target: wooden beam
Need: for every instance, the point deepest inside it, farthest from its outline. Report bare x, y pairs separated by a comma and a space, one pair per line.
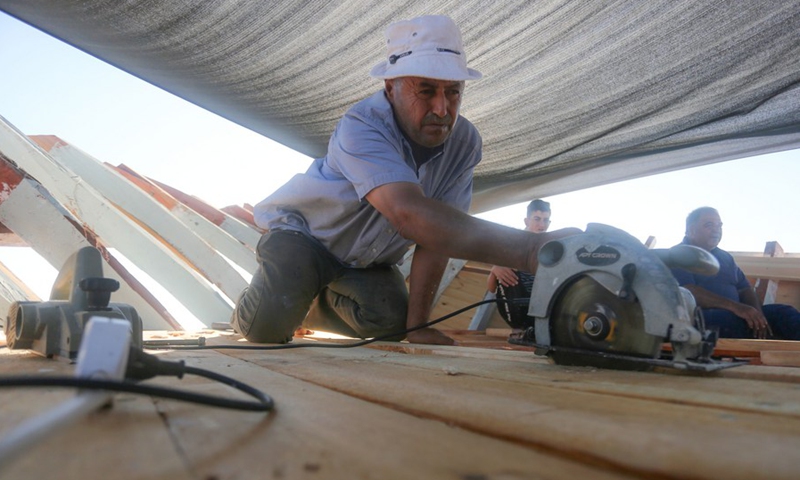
12, 289
483, 314
159, 221
776, 268
245, 232
12, 240
114, 229
767, 288
241, 213
480, 268
55, 235
454, 266
209, 232
779, 358
450, 273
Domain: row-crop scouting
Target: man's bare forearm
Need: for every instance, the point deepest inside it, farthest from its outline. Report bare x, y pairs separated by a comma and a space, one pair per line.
452, 233
427, 268
706, 299
468, 237
748, 297
752, 315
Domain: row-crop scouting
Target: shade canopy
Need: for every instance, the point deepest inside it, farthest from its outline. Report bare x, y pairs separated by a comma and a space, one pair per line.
575, 94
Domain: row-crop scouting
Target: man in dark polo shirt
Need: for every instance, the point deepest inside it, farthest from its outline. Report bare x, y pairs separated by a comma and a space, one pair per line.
729, 302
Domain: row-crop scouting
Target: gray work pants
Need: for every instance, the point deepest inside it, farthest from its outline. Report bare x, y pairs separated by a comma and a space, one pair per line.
298, 282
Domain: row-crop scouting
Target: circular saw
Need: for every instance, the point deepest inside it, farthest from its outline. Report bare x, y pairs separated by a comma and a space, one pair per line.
603, 299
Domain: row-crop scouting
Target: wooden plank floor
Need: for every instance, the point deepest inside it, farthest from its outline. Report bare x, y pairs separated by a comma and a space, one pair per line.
406, 411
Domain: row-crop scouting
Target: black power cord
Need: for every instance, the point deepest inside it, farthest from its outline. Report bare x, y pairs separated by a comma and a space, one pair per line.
142, 366
326, 345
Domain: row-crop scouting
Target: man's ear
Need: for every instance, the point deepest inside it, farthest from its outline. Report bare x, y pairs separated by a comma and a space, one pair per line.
388, 87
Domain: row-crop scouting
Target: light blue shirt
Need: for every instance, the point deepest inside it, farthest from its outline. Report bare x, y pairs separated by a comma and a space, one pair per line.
367, 150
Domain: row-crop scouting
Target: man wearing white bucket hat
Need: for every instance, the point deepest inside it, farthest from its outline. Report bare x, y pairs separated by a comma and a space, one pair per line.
398, 172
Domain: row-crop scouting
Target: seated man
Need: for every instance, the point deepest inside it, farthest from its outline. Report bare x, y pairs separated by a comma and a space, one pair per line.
728, 301
513, 286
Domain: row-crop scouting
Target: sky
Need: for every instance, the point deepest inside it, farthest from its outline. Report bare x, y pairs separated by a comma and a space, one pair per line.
50, 88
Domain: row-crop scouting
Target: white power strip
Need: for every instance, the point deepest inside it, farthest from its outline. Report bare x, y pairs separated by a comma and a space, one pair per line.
103, 355
104, 349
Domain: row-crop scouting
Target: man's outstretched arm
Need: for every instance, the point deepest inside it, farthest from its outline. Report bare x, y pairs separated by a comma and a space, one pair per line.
447, 231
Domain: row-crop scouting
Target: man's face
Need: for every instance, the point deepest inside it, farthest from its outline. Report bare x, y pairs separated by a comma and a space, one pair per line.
425, 109
537, 222
706, 232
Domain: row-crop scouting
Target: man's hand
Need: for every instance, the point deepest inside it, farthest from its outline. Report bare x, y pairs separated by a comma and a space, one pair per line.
430, 336
755, 320
506, 276
748, 309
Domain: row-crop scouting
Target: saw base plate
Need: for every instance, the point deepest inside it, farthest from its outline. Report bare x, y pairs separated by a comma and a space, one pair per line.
592, 358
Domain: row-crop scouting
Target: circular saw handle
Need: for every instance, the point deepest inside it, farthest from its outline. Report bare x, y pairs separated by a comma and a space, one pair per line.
690, 258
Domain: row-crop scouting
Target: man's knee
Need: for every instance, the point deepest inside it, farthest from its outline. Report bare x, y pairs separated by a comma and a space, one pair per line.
777, 309
258, 330
784, 320
373, 302
258, 320
268, 335
381, 326
291, 268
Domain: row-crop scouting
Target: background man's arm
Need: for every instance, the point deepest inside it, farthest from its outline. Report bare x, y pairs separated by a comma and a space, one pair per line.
748, 297
491, 282
504, 275
747, 308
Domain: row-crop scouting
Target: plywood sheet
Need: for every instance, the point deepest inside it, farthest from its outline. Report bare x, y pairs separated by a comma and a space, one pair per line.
396, 410
641, 422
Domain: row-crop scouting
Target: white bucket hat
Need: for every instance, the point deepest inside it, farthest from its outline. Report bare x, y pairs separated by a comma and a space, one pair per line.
429, 47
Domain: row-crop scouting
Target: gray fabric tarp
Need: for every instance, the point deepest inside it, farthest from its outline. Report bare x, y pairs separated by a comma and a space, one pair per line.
576, 93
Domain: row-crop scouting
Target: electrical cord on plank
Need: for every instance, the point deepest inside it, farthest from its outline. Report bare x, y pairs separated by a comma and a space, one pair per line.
141, 366
322, 344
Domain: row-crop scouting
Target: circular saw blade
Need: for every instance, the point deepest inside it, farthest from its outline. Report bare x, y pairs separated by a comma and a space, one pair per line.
587, 316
